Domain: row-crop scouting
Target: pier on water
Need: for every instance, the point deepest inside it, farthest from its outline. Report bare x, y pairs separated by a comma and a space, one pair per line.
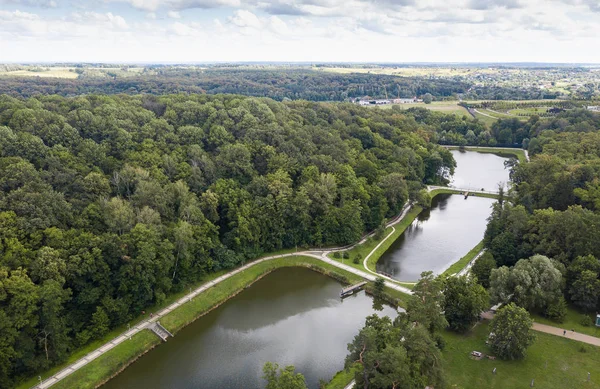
352, 288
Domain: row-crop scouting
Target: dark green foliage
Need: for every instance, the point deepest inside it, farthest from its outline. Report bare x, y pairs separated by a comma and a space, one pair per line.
426, 305
110, 203
378, 287
357, 259
397, 354
464, 301
557, 310
482, 269
346, 255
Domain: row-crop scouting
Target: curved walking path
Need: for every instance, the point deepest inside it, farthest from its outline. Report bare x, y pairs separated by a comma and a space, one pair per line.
318, 254
489, 315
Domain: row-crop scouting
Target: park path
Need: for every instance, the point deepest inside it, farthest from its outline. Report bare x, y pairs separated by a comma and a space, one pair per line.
489, 315
570, 334
350, 385
318, 254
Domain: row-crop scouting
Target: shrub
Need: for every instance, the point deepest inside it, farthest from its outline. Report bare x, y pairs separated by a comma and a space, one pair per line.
345, 255
357, 259
557, 311
337, 255
586, 321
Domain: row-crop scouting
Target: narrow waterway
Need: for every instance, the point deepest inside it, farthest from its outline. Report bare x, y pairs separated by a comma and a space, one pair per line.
443, 234
438, 237
291, 316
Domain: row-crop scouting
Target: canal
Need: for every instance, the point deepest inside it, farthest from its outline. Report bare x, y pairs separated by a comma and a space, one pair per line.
443, 234
291, 316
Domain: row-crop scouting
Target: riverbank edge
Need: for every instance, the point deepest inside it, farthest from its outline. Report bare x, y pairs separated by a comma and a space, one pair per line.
517, 153
113, 362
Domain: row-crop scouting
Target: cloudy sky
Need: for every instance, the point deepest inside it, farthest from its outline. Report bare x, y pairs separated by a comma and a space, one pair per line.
300, 30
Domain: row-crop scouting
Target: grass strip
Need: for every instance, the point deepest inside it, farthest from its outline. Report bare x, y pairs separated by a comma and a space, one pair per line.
106, 366
340, 379
109, 364
572, 321
461, 263
436, 192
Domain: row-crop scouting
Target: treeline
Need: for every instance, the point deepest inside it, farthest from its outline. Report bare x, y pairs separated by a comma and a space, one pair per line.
110, 203
510, 132
278, 84
546, 235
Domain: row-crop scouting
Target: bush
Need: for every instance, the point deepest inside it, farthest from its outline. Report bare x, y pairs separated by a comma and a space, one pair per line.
557, 311
345, 255
586, 321
357, 259
337, 255
440, 342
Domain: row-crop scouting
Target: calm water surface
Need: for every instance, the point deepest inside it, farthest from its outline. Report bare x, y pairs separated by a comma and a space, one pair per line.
292, 316
478, 170
453, 226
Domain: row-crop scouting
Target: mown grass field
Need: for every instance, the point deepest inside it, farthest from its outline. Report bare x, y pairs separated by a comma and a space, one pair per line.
104, 367
553, 362
447, 107
52, 72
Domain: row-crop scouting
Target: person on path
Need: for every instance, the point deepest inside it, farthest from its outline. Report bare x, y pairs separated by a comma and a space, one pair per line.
564, 332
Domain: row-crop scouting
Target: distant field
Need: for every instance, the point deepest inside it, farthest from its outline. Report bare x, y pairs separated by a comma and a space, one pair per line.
410, 71
451, 107
49, 73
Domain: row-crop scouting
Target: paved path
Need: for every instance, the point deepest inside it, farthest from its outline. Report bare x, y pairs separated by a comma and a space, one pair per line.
350, 385
489, 315
570, 334
321, 255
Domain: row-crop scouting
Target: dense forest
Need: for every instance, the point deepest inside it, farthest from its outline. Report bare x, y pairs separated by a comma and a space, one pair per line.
110, 203
554, 212
277, 84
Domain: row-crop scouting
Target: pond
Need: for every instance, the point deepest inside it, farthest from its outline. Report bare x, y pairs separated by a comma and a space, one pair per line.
291, 316
479, 170
443, 234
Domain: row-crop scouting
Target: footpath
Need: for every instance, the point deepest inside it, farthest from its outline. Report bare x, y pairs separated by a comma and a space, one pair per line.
489, 315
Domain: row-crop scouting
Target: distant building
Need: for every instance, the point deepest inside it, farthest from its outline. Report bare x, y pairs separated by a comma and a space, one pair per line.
595, 108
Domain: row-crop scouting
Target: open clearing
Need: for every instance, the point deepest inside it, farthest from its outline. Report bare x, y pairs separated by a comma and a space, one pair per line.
448, 107
52, 72
553, 362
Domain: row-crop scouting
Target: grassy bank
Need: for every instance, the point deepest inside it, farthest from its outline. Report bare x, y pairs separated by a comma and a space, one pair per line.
461, 263
553, 362
364, 249
340, 379
106, 366
518, 153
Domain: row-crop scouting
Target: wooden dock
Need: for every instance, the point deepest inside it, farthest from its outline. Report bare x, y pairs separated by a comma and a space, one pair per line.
466, 195
352, 288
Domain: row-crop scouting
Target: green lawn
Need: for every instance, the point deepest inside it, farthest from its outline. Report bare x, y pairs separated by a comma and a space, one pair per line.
436, 192
572, 321
461, 263
553, 362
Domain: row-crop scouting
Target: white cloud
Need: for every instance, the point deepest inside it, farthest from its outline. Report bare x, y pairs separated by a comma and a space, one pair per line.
151, 15
174, 15
31, 3
245, 19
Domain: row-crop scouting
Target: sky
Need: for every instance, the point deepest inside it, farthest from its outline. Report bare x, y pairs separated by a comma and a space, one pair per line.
196, 31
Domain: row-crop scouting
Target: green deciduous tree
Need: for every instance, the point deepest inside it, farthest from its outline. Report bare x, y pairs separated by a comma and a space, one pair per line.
464, 300
284, 378
511, 333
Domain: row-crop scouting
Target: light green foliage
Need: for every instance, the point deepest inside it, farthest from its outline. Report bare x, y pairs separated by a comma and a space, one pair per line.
512, 333
534, 283
284, 378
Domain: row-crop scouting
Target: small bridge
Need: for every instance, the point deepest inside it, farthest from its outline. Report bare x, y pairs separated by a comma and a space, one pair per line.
160, 331
463, 191
352, 288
